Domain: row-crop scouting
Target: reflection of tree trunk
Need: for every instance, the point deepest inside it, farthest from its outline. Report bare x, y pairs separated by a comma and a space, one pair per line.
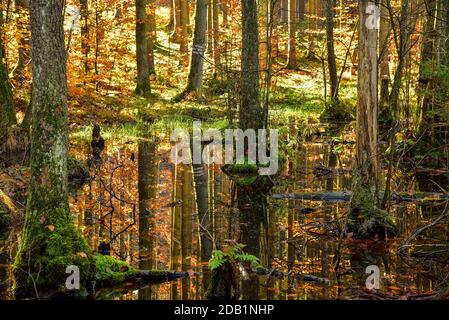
252, 204
147, 186
200, 177
186, 248
176, 229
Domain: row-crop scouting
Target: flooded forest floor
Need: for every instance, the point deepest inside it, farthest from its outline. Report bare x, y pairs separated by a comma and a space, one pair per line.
300, 240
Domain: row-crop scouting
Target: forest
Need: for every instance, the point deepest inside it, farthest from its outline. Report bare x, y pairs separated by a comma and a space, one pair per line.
224, 149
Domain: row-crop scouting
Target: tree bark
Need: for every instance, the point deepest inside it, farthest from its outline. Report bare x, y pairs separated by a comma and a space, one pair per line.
184, 34
250, 113
152, 35
199, 44
331, 61
366, 183
292, 23
50, 242
143, 88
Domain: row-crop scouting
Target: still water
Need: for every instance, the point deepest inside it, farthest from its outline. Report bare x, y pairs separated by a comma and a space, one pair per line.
148, 210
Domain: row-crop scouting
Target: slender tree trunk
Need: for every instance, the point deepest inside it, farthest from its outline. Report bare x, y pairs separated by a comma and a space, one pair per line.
210, 36
225, 11
184, 34
331, 61
152, 35
186, 236
216, 34
143, 88
22, 9
292, 23
84, 20
427, 55
251, 115
7, 113
199, 44
384, 52
403, 40
50, 242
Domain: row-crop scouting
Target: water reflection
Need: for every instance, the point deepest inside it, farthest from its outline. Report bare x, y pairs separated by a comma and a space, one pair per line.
157, 215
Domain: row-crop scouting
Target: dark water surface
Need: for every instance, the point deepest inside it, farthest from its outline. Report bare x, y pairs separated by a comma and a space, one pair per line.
297, 237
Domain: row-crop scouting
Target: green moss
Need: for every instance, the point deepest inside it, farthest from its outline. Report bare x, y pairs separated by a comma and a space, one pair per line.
112, 271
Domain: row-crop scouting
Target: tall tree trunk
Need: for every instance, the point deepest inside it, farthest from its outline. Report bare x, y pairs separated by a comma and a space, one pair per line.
177, 24
427, 55
250, 113
384, 52
366, 183
210, 39
225, 11
184, 34
7, 113
143, 88
84, 20
199, 44
50, 242
402, 50
152, 35
216, 34
331, 61
292, 23
22, 9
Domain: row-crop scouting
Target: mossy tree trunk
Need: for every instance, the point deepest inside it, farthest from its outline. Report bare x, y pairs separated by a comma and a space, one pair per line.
50, 242
7, 113
366, 218
367, 125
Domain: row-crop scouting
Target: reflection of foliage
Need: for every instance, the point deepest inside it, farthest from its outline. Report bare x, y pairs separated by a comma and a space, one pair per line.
232, 254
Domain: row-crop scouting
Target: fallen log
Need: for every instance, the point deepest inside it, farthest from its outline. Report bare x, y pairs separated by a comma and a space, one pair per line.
346, 196
302, 277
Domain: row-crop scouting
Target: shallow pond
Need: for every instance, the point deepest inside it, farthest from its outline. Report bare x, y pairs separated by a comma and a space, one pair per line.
145, 207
